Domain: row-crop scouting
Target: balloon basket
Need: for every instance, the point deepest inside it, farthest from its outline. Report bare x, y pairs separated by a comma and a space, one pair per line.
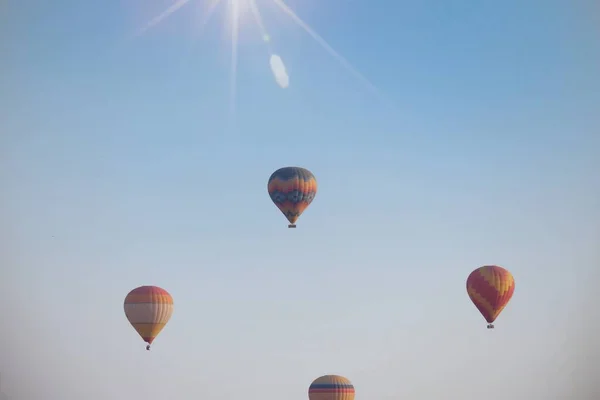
490, 326
291, 225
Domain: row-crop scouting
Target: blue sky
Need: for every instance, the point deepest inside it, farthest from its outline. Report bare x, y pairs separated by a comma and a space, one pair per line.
121, 167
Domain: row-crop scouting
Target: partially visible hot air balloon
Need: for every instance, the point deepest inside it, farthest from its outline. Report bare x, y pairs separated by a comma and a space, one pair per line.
331, 387
490, 289
148, 309
292, 189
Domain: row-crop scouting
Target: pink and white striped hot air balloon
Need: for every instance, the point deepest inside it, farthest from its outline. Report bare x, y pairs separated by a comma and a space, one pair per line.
148, 309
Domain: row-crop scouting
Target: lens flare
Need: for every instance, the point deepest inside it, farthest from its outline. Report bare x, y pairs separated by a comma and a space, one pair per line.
237, 11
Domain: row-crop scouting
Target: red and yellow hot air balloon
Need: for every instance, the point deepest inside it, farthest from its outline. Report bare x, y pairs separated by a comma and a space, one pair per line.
331, 387
292, 189
148, 309
490, 289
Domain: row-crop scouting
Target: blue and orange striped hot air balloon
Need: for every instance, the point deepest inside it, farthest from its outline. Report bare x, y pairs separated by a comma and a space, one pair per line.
490, 289
292, 189
148, 309
331, 387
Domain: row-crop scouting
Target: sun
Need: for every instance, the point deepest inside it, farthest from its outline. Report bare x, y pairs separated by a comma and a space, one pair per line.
240, 10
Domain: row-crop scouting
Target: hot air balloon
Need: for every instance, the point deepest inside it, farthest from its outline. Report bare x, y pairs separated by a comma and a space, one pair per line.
292, 189
148, 309
331, 387
490, 289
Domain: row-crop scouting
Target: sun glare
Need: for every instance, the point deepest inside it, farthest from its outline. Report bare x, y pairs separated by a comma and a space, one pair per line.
238, 12
242, 7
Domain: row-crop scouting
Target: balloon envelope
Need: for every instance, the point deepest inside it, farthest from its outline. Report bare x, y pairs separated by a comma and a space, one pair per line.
148, 309
331, 387
490, 289
292, 189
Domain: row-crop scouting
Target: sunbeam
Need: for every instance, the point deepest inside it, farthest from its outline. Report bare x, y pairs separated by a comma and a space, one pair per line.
234, 47
209, 11
236, 9
263, 31
325, 45
178, 4
205, 17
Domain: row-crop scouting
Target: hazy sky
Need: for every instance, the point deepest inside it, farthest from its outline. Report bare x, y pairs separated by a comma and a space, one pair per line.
121, 166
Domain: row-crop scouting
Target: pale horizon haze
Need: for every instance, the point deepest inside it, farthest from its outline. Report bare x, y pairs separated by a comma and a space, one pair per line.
124, 162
